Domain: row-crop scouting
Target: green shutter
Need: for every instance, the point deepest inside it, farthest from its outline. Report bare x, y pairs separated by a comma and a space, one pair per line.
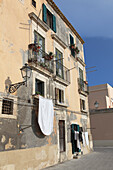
54, 23
78, 128
71, 40
44, 13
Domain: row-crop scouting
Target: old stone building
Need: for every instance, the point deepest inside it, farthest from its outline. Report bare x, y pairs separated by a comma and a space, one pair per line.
37, 33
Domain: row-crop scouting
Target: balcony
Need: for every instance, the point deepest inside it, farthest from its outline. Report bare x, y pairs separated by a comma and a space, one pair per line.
40, 59
83, 87
47, 64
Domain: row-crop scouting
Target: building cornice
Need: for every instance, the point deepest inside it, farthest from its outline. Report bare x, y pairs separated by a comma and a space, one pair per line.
58, 40
57, 10
34, 17
101, 111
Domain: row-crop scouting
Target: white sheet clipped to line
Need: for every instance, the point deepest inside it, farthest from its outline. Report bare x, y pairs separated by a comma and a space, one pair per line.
86, 138
46, 115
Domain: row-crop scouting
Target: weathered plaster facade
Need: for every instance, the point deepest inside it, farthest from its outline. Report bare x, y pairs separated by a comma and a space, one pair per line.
18, 22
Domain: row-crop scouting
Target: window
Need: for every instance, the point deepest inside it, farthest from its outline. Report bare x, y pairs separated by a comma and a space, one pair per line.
62, 135
39, 87
59, 95
82, 105
7, 106
59, 64
72, 43
81, 74
38, 39
34, 3
71, 40
49, 18
81, 79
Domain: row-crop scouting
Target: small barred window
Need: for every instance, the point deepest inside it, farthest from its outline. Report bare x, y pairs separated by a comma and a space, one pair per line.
7, 106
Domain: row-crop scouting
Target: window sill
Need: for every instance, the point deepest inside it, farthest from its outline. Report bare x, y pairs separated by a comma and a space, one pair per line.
8, 116
84, 111
37, 96
61, 80
80, 61
83, 92
61, 104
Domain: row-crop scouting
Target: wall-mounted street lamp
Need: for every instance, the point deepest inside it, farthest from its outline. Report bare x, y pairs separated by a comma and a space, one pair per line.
96, 104
26, 74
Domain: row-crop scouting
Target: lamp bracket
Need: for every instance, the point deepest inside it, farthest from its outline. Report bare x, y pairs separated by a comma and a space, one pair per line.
14, 87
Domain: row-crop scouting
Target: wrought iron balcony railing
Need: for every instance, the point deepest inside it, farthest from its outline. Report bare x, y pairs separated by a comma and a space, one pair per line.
48, 62
40, 57
62, 72
83, 86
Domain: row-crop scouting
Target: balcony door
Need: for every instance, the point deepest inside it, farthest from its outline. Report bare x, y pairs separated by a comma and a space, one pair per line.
59, 64
39, 40
81, 79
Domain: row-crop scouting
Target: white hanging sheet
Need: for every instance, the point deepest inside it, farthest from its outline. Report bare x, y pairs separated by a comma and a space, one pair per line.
86, 138
46, 115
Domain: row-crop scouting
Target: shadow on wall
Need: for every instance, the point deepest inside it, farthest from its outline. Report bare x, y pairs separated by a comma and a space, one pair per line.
35, 127
8, 82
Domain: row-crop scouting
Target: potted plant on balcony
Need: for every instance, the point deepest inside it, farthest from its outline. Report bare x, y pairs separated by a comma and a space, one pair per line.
34, 47
74, 49
49, 56
86, 82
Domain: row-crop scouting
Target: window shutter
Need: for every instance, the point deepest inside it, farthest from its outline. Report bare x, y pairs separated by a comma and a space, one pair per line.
42, 85
36, 86
71, 39
35, 37
54, 23
80, 104
78, 128
57, 94
44, 13
47, 88
62, 96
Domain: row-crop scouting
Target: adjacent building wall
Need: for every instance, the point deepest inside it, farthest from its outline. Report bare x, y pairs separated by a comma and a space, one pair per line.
103, 94
101, 127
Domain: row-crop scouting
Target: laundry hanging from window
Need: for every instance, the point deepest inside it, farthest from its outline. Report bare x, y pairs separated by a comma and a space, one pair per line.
46, 115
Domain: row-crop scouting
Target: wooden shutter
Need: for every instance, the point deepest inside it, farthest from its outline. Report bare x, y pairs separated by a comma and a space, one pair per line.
62, 135
62, 95
54, 23
44, 13
47, 88
71, 40
56, 94
42, 90
81, 108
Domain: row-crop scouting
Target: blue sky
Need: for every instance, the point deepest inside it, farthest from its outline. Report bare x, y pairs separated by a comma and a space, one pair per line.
93, 20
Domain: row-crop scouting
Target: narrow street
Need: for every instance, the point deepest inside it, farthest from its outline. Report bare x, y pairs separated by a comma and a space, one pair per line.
100, 159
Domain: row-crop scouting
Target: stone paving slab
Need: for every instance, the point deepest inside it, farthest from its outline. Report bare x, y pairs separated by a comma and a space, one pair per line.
100, 159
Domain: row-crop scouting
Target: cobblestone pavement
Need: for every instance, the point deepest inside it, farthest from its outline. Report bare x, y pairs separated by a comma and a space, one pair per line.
100, 159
